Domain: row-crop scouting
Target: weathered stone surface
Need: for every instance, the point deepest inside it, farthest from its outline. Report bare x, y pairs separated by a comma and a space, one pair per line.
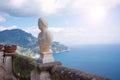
46, 58
45, 37
2, 72
1, 58
8, 68
47, 66
54, 71
45, 75
45, 40
65, 73
35, 75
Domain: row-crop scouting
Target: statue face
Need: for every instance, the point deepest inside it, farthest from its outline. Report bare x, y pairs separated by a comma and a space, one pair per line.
42, 24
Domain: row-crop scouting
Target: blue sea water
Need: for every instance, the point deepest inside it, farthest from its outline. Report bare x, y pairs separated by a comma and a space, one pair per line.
103, 60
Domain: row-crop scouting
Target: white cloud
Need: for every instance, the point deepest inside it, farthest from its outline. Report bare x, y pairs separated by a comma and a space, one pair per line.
48, 7
77, 35
94, 11
73, 36
31, 7
2, 19
7, 28
57, 30
52, 6
33, 30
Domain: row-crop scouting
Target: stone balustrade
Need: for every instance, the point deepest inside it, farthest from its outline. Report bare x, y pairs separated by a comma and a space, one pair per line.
65, 73
58, 72
46, 71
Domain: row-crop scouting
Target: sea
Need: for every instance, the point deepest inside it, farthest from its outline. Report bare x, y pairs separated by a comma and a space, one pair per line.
100, 59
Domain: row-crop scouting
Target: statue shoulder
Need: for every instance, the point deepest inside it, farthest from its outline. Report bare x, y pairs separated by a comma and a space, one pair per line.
48, 34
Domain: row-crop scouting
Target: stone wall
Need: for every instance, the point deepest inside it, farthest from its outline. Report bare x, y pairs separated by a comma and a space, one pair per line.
58, 72
2, 70
65, 73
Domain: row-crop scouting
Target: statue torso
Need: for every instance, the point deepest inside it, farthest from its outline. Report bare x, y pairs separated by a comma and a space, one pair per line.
45, 40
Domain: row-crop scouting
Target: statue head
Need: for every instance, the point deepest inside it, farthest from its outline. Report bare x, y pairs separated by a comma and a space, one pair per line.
42, 24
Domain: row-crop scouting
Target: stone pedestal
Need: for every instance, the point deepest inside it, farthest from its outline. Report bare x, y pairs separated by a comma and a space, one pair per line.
35, 75
2, 70
46, 58
45, 76
8, 67
1, 58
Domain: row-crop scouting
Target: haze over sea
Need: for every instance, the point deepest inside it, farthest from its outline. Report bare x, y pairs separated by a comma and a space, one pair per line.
101, 59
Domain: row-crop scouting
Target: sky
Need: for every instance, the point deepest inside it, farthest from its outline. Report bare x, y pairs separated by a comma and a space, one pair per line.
72, 22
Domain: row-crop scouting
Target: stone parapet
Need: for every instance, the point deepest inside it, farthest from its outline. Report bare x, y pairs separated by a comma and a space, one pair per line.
65, 73
57, 72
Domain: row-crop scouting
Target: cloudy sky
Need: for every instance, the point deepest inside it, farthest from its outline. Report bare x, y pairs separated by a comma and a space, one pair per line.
71, 21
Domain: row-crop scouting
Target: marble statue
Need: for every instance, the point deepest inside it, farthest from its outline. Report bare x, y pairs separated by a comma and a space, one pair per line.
45, 40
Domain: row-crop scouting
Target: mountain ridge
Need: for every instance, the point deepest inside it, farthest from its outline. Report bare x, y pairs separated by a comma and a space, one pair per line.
16, 36
26, 41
